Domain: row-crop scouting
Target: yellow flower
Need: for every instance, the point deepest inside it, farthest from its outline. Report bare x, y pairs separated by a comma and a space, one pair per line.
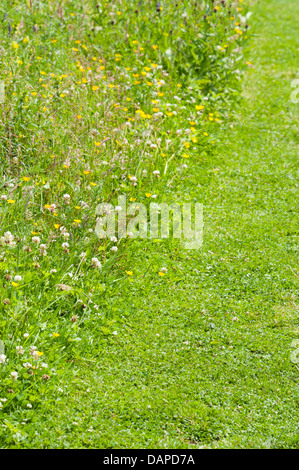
14, 284
79, 116
86, 172
10, 201
199, 107
194, 140
155, 47
78, 221
94, 88
129, 273
56, 335
187, 145
93, 184
185, 155
148, 194
161, 274
56, 226
39, 353
26, 178
14, 45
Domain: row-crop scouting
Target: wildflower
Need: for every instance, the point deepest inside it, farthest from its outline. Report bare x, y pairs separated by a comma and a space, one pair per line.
114, 249
56, 335
96, 263
29, 405
65, 246
17, 278
66, 198
14, 375
53, 271
113, 239
163, 270
20, 350
27, 365
43, 249
82, 256
3, 197
26, 335
2, 358
156, 173
36, 240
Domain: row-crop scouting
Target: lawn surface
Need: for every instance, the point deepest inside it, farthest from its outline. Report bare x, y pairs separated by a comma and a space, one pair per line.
202, 358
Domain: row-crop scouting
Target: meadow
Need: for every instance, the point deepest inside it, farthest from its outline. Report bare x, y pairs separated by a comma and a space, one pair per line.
139, 343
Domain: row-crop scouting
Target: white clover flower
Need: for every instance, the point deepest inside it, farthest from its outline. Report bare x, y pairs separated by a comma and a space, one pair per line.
43, 249
3, 197
114, 249
29, 405
65, 245
20, 350
53, 271
2, 358
44, 365
36, 240
113, 239
156, 173
17, 278
14, 375
96, 263
163, 270
66, 198
26, 335
66, 235
27, 365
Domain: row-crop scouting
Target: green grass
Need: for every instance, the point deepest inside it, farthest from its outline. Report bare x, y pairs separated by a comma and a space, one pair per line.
202, 355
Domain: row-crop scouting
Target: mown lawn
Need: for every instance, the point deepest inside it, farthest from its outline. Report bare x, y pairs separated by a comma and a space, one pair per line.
199, 357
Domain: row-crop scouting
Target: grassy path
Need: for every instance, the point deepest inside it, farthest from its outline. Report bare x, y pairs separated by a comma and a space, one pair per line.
203, 359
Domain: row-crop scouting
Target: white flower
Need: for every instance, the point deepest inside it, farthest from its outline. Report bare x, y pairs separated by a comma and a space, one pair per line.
3, 197
17, 278
114, 249
29, 405
44, 365
2, 358
156, 173
118, 208
96, 263
65, 245
26, 335
35, 239
53, 271
163, 270
66, 198
66, 235
27, 365
14, 375
20, 350
113, 239
43, 249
